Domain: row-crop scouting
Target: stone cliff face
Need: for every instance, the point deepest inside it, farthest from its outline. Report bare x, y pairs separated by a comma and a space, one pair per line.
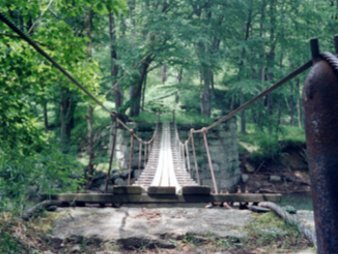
223, 146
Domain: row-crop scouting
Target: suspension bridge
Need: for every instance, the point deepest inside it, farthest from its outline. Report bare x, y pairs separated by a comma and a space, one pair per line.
166, 177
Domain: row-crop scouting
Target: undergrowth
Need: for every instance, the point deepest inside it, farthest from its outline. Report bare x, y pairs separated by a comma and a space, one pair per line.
269, 230
25, 176
263, 145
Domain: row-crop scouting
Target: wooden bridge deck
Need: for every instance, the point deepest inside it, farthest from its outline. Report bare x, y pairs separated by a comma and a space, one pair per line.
166, 164
145, 198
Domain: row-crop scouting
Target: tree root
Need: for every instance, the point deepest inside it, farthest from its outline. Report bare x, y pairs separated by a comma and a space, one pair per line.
292, 220
38, 208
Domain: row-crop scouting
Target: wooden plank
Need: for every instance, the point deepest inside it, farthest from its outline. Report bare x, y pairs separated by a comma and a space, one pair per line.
84, 197
195, 190
161, 190
246, 197
134, 190
153, 199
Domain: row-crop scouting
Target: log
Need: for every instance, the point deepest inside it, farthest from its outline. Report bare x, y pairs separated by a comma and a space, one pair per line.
144, 198
292, 220
258, 209
38, 208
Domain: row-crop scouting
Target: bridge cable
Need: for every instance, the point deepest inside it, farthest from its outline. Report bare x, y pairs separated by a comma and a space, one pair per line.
247, 104
244, 106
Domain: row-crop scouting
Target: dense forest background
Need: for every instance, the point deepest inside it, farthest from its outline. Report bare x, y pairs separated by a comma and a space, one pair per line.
201, 58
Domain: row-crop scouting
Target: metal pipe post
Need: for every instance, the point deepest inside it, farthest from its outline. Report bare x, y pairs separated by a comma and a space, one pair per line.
320, 99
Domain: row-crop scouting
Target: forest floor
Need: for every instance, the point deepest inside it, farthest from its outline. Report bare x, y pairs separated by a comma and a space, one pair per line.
157, 230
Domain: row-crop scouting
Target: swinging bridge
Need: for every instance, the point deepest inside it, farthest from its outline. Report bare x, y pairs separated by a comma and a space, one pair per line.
167, 175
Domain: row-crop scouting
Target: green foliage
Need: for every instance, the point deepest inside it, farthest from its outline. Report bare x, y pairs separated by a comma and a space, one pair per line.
8, 244
23, 176
264, 145
269, 230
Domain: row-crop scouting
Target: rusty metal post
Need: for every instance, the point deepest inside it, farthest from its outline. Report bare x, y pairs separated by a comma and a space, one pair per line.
112, 151
131, 155
194, 155
211, 167
320, 99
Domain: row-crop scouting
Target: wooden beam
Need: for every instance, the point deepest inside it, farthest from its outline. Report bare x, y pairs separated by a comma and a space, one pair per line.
195, 190
161, 190
161, 199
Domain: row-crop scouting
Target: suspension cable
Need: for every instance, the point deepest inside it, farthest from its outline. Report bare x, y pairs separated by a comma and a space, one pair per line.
247, 104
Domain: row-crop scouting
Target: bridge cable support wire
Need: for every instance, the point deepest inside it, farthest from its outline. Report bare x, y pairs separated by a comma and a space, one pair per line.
247, 104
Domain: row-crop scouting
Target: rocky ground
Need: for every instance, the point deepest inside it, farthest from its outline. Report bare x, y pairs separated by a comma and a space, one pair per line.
194, 229
161, 230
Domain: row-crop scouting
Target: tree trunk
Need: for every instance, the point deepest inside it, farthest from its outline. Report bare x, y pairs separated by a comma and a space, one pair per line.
180, 75
89, 170
243, 118
136, 89
164, 74
241, 65
292, 104
271, 54
207, 77
114, 67
45, 115
67, 109
299, 105
90, 144
144, 91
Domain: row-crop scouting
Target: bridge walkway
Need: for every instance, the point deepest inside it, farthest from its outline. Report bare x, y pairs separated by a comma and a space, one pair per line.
166, 164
